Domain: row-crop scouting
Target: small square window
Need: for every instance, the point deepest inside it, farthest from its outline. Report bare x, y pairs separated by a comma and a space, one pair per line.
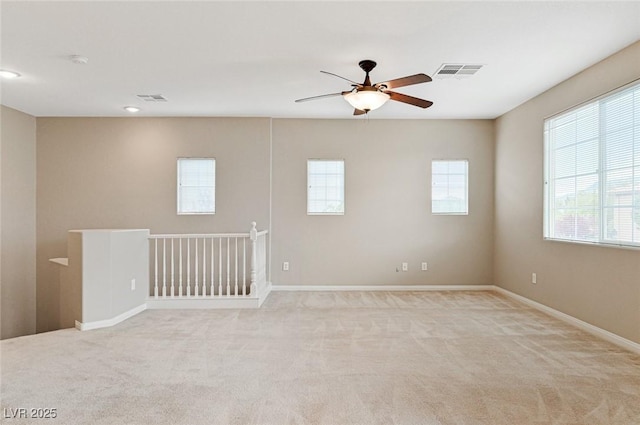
196, 186
450, 187
325, 187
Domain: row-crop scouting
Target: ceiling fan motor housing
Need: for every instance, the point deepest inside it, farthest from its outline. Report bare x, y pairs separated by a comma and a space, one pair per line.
367, 65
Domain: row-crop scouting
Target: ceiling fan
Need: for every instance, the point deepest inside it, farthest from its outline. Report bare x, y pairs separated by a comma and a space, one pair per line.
366, 97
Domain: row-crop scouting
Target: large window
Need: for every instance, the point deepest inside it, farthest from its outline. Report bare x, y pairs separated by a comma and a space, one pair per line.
196, 186
325, 187
592, 171
450, 187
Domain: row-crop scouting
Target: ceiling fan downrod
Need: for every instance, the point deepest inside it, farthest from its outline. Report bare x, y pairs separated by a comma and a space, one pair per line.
367, 65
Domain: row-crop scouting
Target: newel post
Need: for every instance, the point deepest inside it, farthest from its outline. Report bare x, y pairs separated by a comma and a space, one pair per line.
253, 235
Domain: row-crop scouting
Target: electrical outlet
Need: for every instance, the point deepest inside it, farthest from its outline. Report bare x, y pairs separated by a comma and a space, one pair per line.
405, 267
534, 278
285, 266
133, 284
424, 266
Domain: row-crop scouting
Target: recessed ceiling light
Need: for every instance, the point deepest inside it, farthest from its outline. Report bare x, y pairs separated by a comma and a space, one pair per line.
132, 109
8, 74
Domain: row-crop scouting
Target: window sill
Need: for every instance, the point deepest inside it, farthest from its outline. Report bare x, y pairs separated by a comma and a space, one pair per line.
594, 244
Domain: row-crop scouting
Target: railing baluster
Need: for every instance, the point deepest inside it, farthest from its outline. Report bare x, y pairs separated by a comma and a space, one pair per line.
204, 267
212, 264
220, 267
244, 266
188, 267
235, 289
253, 235
195, 288
228, 270
173, 275
263, 259
180, 269
155, 288
164, 268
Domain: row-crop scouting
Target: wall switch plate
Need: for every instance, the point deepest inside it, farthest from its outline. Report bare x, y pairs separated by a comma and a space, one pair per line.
534, 278
424, 266
133, 284
405, 267
285, 266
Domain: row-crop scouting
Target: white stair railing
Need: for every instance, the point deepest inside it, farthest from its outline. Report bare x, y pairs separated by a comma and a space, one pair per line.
214, 265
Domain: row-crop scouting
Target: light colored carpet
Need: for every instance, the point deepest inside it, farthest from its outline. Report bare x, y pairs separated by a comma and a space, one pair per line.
328, 358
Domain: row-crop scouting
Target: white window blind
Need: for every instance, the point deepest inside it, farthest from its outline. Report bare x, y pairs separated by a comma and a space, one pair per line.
592, 171
450, 187
325, 187
196, 186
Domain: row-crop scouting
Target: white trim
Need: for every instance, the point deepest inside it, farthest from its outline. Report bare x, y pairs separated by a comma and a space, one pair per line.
202, 235
382, 288
87, 326
256, 302
196, 303
262, 297
587, 327
270, 197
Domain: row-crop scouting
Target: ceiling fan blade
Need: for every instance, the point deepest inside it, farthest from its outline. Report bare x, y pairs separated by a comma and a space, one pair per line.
358, 112
322, 96
336, 75
399, 97
405, 81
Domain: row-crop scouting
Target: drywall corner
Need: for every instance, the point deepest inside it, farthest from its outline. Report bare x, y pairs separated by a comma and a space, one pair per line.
18, 223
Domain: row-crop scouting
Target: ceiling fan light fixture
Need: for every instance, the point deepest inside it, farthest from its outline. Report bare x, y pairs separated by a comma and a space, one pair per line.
366, 100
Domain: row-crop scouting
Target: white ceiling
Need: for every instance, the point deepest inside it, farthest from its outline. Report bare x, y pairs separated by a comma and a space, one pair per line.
255, 58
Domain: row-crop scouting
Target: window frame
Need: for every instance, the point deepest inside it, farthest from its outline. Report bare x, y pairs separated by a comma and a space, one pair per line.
179, 185
344, 172
549, 178
466, 187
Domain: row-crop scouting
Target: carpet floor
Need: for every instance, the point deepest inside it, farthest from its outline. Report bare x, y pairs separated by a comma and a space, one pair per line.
327, 358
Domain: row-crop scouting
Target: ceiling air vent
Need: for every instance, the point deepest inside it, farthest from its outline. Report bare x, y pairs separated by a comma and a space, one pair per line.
152, 97
459, 70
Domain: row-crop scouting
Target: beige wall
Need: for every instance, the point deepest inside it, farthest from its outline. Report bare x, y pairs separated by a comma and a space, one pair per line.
598, 285
121, 173
18, 218
388, 216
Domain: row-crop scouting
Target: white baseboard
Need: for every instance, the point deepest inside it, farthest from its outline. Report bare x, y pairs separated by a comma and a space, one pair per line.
587, 327
403, 288
87, 326
246, 302
178, 303
265, 294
